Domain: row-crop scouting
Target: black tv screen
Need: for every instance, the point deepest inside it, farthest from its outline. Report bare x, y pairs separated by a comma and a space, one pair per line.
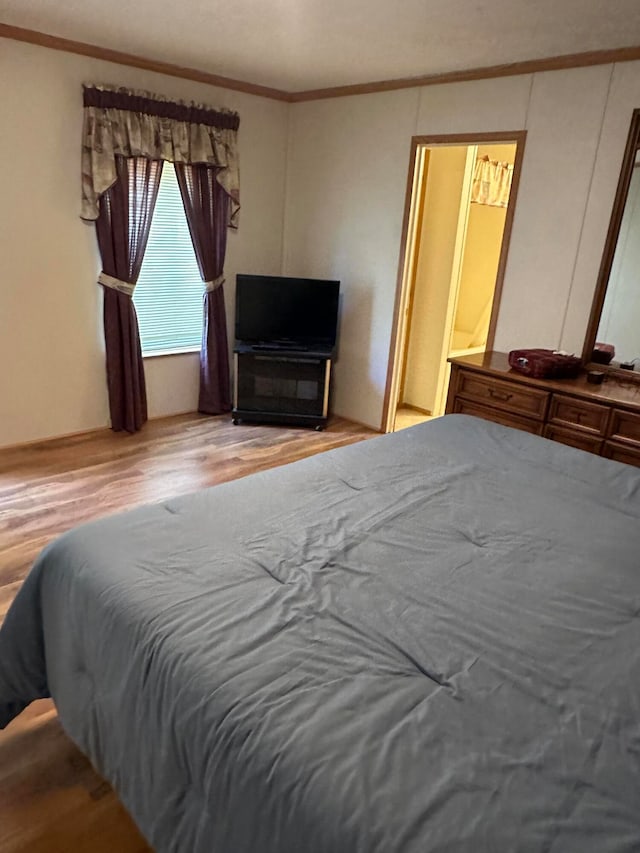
287, 311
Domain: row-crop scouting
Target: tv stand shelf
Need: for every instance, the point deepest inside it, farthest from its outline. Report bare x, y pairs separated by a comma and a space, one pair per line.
281, 386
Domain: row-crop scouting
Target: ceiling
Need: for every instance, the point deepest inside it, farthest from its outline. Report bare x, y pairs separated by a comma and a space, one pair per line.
298, 45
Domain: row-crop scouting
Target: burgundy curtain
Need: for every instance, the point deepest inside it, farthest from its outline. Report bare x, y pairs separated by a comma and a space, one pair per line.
206, 206
122, 228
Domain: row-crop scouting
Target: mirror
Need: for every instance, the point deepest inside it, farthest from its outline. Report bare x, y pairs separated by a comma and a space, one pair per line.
613, 335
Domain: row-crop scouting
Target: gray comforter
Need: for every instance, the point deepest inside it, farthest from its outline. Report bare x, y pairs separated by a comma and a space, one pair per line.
425, 642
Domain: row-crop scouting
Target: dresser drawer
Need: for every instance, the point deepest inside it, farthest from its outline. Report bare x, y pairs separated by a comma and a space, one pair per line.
463, 407
601, 420
568, 411
622, 452
625, 426
508, 396
574, 438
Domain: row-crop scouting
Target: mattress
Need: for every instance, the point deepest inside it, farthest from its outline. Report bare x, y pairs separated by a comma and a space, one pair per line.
429, 641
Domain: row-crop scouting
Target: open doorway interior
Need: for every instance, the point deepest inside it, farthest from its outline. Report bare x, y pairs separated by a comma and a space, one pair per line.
454, 251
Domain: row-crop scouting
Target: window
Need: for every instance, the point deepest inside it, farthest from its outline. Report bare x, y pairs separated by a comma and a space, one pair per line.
169, 293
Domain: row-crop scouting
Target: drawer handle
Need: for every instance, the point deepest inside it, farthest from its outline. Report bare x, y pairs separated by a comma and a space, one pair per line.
500, 395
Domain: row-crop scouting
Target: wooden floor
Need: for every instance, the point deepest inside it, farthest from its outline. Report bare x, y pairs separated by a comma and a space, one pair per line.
51, 799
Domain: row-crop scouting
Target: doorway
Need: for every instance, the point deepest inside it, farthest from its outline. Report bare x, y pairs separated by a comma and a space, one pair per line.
460, 202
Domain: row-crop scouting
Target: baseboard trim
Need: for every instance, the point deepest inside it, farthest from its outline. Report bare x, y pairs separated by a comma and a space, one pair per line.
413, 408
357, 422
93, 431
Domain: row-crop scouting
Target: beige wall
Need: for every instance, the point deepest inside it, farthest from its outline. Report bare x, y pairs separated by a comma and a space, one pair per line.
52, 378
623, 97
437, 247
482, 247
335, 172
348, 161
347, 170
480, 263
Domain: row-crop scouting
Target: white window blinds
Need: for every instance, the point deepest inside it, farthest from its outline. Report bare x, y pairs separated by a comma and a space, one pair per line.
169, 293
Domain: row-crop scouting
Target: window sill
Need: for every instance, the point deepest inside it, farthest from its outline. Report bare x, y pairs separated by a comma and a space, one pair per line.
165, 352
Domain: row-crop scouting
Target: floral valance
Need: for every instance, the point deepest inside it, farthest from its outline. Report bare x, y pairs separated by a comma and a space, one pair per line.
119, 122
491, 182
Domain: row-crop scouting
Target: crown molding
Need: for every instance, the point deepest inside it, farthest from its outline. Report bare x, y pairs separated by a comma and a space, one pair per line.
134, 61
533, 66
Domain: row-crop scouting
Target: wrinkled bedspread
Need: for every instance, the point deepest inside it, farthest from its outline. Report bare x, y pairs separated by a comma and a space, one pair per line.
429, 641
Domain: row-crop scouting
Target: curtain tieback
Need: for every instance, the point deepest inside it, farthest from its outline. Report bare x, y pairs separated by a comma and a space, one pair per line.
116, 283
210, 286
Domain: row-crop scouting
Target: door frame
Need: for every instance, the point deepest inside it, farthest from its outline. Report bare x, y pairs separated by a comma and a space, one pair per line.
406, 271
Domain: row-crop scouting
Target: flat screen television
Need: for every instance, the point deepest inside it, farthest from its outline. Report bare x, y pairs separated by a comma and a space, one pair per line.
286, 312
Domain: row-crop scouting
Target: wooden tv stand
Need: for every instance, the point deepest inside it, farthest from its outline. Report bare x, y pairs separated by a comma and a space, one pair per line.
603, 419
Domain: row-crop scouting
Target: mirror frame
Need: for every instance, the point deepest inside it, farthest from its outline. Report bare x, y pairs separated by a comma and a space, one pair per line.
626, 172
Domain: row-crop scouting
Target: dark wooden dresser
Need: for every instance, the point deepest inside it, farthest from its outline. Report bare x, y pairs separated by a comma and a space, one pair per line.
603, 419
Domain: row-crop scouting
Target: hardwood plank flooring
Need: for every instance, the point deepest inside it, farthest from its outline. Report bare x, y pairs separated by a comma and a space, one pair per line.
51, 799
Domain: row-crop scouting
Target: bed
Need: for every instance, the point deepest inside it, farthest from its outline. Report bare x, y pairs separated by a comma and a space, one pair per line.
429, 641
